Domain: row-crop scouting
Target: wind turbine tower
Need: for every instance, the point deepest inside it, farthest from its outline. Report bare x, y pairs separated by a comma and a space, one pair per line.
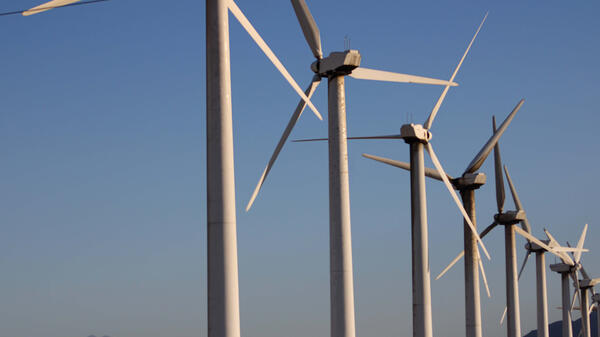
541, 289
222, 274
223, 290
565, 271
585, 285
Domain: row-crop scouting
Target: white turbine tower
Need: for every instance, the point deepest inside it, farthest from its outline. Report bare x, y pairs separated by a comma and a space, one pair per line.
469, 181
586, 285
334, 68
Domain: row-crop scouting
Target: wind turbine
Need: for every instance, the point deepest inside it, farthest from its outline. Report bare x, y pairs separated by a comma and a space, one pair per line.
568, 268
469, 181
418, 137
335, 67
508, 219
223, 290
583, 286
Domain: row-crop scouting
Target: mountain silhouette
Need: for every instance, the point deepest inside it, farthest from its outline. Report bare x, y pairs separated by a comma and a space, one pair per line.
555, 328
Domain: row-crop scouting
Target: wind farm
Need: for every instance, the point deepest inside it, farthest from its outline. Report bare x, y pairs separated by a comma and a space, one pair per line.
133, 143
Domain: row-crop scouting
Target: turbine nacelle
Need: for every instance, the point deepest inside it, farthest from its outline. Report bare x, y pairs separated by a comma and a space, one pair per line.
510, 217
469, 181
561, 268
587, 283
337, 63
415, 133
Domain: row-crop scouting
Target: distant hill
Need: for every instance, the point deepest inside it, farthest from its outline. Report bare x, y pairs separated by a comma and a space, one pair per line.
556, 327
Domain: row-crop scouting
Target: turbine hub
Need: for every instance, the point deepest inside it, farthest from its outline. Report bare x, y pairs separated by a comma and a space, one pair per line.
337, 64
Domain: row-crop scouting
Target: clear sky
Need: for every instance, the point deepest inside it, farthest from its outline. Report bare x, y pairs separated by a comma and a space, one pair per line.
102, 140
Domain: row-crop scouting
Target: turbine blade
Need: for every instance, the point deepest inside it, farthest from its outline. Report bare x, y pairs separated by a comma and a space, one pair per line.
580, 244
286, 133
431, 117
576, 293
51, 5
309, 140
440, 169
386, 76
503, 316
584, 273
537, 241
350, 138
513, 191
569, 249
48, 6
578, 290
500, 194
523, 265
378, 137
458, 257
551, 238
431, 173
489, 145
485, 282
560, 308
488, 229
235, 10
573, 255
462, 253
554, 243
309, 27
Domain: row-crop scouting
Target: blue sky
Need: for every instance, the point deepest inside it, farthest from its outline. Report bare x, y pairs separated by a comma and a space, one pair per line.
102, 137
